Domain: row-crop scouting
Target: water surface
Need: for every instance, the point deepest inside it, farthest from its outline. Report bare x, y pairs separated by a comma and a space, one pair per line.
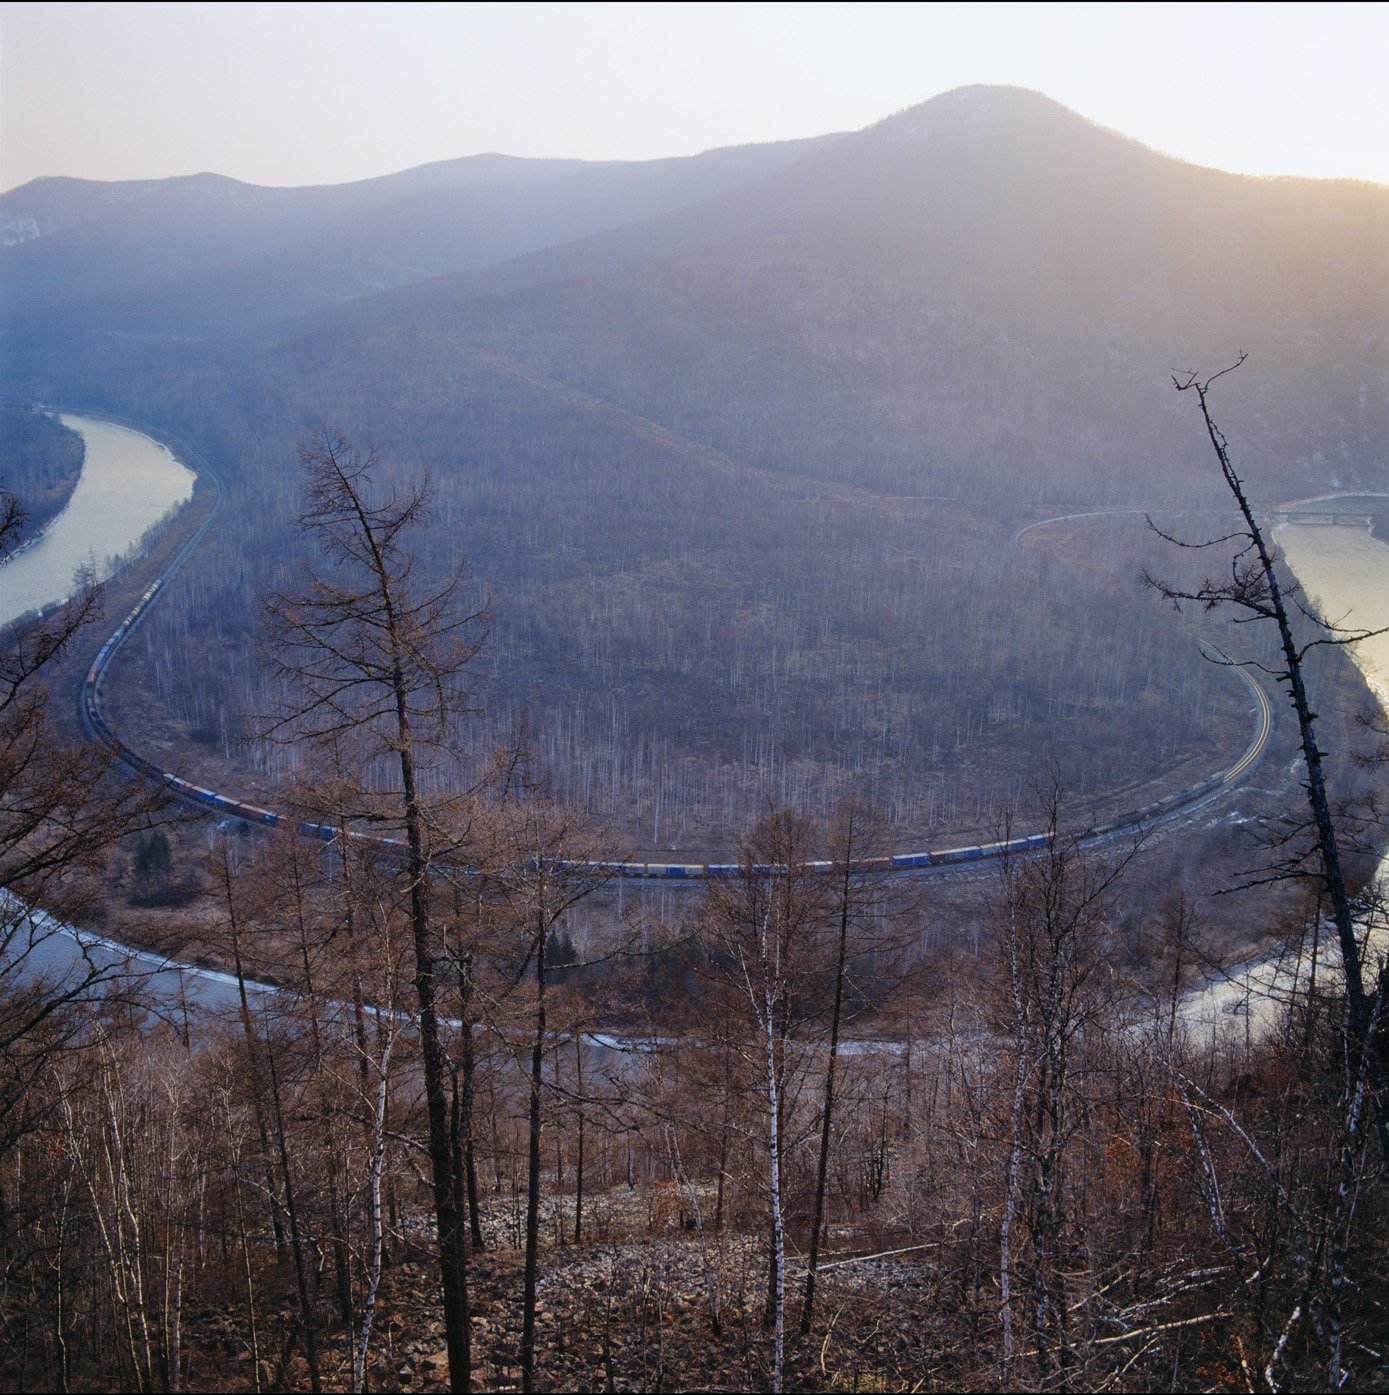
1344, 573
128, 484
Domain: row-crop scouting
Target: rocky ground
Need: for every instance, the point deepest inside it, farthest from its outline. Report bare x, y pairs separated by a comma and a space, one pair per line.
667, 1311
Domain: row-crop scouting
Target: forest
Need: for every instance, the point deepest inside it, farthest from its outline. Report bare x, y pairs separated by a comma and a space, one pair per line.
441, 1128
43, 461
787, 507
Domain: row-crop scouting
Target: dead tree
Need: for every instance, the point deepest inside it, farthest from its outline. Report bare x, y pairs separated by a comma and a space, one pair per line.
62, 805
366, 649
1254, 591
856, 833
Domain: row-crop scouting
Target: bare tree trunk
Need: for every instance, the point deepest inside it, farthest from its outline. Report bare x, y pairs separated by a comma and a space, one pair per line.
245, 1260
579, 1159
1010, 1193
533, 1169
306, 1304
712, 1285
378, 1149
452, 1264
120, 1229
727, 1054
827, 1117
60, 1271
342, 1275
474, 1210
253, 1048
469, 1095
774, 1156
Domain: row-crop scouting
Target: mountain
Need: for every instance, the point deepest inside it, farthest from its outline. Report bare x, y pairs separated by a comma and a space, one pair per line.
204, 254
739, 444
986, 291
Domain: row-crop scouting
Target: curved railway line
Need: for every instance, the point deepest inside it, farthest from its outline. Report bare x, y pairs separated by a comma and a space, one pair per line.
97, 726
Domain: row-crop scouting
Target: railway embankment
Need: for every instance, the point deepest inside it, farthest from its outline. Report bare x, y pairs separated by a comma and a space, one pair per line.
226, 803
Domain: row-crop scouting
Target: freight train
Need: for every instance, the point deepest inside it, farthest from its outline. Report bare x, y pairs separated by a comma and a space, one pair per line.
97, 726
94, 719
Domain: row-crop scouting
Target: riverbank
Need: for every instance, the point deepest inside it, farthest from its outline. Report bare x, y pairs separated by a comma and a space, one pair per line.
40, 465
131, 487
1343, 571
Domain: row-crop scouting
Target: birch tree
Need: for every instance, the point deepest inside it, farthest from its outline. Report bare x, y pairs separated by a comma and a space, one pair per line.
765, 926
364, 648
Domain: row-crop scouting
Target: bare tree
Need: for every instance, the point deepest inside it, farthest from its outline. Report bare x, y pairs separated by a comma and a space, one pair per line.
1254, 592
62, 805
367, 651
1055, 991
857, 833
543, 864
766, 925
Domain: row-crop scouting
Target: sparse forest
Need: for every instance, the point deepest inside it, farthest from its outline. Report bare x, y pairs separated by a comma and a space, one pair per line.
689, 636
1035, 1175
781, 507
442, 1131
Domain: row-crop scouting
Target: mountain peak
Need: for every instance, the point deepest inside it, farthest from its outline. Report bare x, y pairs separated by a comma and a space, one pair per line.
981, 106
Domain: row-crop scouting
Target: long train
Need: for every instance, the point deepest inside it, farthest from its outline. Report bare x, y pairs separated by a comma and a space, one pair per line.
94, 718
97, 725
90, 708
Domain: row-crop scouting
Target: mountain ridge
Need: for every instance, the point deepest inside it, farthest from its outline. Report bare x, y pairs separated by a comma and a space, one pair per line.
981, 277
136, 236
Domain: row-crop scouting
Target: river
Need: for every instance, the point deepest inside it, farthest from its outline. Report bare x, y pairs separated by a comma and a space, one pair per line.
129, 483
1344, 572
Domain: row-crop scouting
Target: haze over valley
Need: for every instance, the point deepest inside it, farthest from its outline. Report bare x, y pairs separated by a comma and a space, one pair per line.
740, 471
779, 510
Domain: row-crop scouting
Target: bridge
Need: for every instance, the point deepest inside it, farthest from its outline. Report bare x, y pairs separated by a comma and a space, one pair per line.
1358, 518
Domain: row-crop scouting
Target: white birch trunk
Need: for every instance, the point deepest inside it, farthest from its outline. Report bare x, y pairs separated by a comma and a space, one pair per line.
378, 1149
774, 1147
1010, 1200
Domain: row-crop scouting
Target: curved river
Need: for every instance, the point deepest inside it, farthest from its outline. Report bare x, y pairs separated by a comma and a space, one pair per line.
1344, 572
129, 483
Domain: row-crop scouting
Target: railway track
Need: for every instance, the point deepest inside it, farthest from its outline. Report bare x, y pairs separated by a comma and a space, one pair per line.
98, 727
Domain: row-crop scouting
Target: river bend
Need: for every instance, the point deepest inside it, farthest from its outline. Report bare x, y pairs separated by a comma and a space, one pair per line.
129, 483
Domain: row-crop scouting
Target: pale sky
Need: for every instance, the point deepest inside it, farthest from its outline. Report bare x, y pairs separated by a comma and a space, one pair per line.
321, 93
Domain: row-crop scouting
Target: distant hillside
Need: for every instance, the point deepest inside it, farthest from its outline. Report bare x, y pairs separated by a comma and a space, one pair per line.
986, 289
739, 444
204, 254
40, 463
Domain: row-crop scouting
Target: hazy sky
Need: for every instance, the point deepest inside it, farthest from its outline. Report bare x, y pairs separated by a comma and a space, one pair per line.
301, 94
